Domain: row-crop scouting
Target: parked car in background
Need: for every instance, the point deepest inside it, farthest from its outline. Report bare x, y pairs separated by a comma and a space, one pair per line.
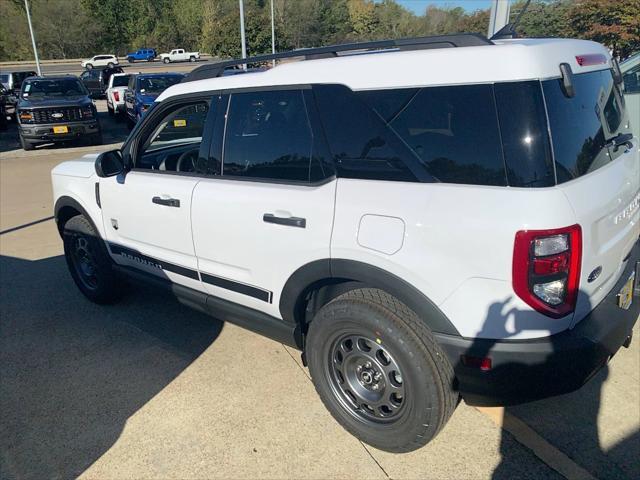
144, 54
96, 80
4, 94
630, 69
12, 81
179, 55
56, 109
118, 83
142, 91
100, 61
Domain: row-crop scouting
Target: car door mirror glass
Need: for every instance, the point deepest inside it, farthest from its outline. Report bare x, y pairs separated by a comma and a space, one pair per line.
109, 164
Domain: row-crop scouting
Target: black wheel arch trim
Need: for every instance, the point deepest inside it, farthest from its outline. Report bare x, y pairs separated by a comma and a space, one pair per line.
327, 271
66, 201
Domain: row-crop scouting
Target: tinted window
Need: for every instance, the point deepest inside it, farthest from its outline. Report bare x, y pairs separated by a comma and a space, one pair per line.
631, 80
453, 130
53, 88
525, 141
175, 142
268, 136
120, 80
362, 146
577, 123
157, 84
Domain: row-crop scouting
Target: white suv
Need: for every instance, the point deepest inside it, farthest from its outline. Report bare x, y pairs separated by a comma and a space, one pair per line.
423, 223
100, 61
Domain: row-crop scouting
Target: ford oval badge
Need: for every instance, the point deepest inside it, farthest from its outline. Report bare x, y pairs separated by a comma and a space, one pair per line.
595, 274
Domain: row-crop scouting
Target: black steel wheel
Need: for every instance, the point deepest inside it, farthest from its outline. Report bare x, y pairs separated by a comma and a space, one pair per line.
379, 371
89, 263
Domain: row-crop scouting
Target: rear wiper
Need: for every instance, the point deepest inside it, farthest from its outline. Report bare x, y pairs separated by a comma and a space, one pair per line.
619, 140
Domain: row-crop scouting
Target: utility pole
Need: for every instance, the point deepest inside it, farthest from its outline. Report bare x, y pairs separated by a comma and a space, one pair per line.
273, 35
33, 38
242, 37
499, 16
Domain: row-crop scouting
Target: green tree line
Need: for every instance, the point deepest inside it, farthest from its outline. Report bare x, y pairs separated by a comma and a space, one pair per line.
81, 28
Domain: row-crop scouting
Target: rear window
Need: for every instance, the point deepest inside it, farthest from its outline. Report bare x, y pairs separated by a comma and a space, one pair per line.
452, 130
121, 81
582, 125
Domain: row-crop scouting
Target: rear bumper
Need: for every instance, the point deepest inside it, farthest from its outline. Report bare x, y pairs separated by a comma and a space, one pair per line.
527, 370
44, 132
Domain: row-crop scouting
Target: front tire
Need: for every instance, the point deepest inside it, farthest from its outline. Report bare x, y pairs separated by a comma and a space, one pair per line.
89, 66
192, 59
110, 64
166, 60
26, 144
379, 371
89, 262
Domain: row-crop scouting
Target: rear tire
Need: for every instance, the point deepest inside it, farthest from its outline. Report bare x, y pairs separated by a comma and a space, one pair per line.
89, 263
26, 144
379, 371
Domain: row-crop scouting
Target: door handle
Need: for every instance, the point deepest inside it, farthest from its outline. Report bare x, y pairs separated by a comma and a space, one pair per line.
288, 221
167, 202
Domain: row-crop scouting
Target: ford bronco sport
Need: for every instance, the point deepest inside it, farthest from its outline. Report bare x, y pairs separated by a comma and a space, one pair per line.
437, 218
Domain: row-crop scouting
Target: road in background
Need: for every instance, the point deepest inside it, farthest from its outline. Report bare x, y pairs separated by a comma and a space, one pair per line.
74, 68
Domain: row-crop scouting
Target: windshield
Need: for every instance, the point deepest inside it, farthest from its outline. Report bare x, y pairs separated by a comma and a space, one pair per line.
66, 87
157, 84
121, 81
582, 126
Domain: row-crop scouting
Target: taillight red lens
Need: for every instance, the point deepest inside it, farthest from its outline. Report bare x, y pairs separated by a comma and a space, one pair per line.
548, 283
116, 95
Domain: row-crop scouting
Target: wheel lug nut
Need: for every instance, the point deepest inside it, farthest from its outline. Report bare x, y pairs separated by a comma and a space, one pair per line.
378, 376
359, 368
368, 364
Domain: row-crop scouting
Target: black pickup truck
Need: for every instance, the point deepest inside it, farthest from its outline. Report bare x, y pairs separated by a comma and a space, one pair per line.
56, 109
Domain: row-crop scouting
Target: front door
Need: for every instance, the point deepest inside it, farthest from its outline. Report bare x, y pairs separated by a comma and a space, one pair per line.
147, 212
271, 210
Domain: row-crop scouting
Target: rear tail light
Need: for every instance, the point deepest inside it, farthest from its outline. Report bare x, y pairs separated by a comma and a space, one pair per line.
116, 95
546, 269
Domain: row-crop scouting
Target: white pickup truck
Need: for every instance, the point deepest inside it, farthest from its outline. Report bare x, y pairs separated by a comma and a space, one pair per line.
179, 55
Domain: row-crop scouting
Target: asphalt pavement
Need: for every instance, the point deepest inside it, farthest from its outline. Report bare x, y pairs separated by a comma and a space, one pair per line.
148, 388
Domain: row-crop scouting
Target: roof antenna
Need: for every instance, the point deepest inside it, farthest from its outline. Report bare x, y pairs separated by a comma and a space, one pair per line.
509, 30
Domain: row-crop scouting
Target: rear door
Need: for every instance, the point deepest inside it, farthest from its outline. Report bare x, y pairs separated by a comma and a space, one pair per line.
270, 211
147, 212
600, 180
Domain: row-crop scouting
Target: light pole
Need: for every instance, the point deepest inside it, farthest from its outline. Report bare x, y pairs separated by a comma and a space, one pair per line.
242, 38
33, 38
273, 35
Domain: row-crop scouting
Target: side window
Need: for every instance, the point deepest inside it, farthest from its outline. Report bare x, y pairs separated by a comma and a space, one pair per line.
632, 80
525, 141
174, 142
268, 135
361, 145
452, 130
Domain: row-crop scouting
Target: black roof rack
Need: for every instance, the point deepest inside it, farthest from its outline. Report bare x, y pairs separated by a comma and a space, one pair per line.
216, 69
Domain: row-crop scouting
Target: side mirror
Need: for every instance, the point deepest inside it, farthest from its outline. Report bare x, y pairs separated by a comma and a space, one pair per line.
109, 164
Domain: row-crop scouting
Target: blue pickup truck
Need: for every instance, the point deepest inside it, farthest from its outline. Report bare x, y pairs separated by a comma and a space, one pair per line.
144, 54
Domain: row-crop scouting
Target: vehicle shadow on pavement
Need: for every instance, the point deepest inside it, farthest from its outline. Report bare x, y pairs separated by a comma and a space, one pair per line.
569, 422
74, 372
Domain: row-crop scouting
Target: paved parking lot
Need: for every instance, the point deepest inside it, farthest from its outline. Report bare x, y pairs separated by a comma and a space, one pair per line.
151, 389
